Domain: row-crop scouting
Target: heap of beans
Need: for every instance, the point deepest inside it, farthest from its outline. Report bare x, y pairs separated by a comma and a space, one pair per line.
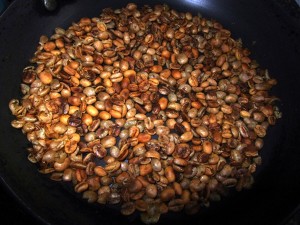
150, 108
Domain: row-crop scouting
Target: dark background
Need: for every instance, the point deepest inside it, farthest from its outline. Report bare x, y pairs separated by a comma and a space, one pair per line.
14, 214
10, 210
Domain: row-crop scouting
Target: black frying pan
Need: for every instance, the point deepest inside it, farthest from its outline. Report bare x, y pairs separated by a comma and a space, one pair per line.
270, 32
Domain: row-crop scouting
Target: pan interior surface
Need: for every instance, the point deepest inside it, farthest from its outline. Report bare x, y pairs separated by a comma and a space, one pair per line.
267, 31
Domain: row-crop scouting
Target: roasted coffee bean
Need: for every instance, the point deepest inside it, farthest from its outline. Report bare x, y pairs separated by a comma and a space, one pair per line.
149, 108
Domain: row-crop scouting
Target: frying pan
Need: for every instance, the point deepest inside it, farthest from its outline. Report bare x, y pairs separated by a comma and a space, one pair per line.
268, 30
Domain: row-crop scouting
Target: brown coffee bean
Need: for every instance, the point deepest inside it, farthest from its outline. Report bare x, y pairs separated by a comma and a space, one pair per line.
167, 194
207, 147
151, 191
169, 173
128, 208
163, 103
100, 171
145, 169
143, 138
